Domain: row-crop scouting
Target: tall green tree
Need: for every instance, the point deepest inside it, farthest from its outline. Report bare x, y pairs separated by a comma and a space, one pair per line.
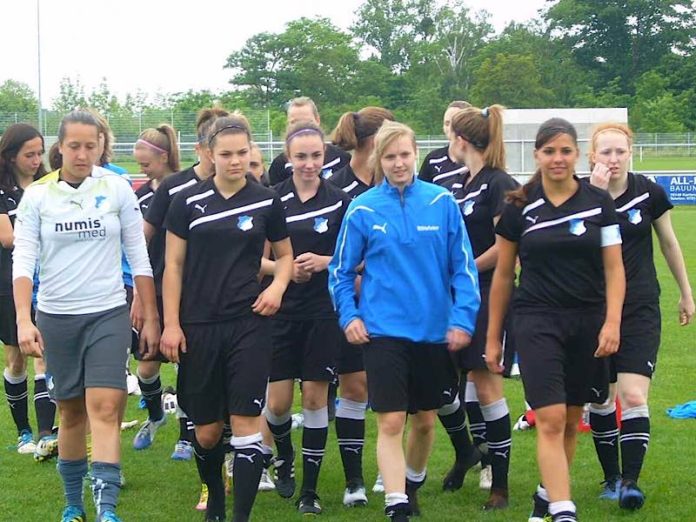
17, 97
71, 95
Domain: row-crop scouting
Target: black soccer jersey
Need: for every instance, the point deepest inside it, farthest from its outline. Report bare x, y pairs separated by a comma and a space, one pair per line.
560, 248
170, 186
155, 248
637, 209
9, 201
480, 202
334, 159
438, 167
225, 239
347, 181
313, 227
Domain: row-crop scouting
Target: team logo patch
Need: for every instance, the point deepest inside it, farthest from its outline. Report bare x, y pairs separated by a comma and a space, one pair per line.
326, 173
321, 225
577, 227
245, 223
468, 207
98, 200
634, 216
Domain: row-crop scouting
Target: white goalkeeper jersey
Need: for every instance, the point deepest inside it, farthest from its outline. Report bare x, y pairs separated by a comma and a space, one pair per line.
75, 235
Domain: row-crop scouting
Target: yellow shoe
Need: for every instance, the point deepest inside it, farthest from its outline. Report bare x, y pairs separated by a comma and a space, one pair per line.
203, 500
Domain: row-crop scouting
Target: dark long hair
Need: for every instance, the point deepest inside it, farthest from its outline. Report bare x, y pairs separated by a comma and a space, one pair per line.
547, 132
14, 137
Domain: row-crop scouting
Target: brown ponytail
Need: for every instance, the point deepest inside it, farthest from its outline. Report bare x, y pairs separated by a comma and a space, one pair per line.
483, 128
355, 128
162, 140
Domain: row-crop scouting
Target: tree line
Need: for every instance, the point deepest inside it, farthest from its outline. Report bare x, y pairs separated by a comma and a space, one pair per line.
415, 56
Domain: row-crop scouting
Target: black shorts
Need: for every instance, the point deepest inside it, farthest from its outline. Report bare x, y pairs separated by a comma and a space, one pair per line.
557, 362
135, 337
407, 376
305, 350
641, 326
225, 369
350, 357
473, 357
8, 321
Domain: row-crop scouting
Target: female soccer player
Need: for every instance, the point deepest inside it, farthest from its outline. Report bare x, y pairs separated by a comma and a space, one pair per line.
157, 153
477, 141
641, 205
414, 229
257, 166
354, 133
21, 148
306, 335
73, 226
569, 246
440, 165
214, 318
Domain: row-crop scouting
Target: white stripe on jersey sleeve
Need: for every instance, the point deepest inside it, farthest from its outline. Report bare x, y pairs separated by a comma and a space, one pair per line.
554, 222
228, 213
350, 187
287, 196
181, 187
331, 163
611, 235
633, 202
474, 194
435, 161
314, 213
532, 206
449, 174
146, 196
198, 197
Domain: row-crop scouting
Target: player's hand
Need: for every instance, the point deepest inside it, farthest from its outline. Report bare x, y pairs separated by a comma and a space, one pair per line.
299, 274
311, 262
494, 356
268, 301
601, 174
30, 340
172, 341
686, 310
457, 339
609, 337
149, 335
356, 333
136, 314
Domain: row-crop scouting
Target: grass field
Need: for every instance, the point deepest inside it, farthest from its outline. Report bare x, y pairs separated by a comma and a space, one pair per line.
159, 489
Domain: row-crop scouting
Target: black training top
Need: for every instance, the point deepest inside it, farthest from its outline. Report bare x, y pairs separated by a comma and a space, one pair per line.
438, 167
155, 248
9, 201
347, 181
313, 227
334, 159
560, 248
225, 239
637, 209
482, 200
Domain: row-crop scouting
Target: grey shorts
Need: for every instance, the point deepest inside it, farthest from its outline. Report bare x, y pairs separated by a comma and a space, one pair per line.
85, 351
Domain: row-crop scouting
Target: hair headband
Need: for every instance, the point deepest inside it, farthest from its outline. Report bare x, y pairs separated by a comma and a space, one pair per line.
292, 136
226, 127
150, 145
485, 112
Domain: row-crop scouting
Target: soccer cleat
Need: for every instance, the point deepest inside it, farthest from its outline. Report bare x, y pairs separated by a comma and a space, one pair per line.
522, 424
486, 477
109, 516
611, 488
183, 450
266, 482
203, 500
540, 510
630, 495
308, 503
25, 442
397, 513
285, 475
379, 484
146, 434
498, 499
564, 516
46, 448
412, 493
73, 514
455, 478
354, 495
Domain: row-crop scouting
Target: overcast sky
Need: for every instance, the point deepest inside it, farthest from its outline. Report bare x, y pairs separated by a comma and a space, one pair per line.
161, 45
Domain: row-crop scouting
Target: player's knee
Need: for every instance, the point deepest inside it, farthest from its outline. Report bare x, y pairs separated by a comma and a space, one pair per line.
632, 397
391, 424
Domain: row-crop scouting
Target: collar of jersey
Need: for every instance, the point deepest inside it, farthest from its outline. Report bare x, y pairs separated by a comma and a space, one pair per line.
394, 191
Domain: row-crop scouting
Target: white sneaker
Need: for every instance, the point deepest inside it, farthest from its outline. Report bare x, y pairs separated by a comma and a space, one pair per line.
46, 448
486, 478
132, 385
354, 496
379, 485
25, 443
266, 482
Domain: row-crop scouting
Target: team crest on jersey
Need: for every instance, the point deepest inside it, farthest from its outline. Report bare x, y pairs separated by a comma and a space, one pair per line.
468, 207
245, 223
326, 173
634, 216
577, 227
321, 225
98, 201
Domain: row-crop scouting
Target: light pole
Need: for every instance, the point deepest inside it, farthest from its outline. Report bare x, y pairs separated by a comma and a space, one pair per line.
38, 51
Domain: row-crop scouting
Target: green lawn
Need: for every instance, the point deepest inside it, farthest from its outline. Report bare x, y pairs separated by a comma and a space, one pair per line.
159, 489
